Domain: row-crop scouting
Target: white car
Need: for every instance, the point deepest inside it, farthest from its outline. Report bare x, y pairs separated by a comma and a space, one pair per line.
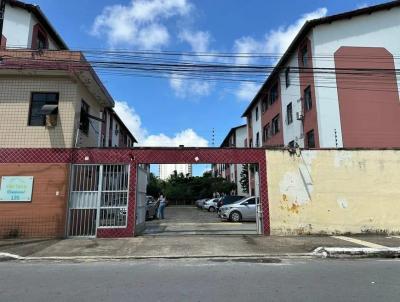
211, 205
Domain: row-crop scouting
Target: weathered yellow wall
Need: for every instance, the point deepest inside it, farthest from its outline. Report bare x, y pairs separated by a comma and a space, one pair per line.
334, 191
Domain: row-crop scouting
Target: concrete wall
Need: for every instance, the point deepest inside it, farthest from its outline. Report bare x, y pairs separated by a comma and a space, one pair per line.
17, 27
15, 97
92, 139
333, 191
43, 217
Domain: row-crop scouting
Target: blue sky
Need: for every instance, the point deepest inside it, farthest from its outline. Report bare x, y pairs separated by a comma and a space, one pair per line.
172, 112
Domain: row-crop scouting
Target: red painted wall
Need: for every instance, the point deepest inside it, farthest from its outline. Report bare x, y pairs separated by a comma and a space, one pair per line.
3, 42
268, 115
306, 76
368, 99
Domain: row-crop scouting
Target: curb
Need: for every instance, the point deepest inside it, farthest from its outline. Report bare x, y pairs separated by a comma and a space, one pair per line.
13, 257
355, 252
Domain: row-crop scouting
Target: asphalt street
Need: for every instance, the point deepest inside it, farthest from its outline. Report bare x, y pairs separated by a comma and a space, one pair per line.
202, 280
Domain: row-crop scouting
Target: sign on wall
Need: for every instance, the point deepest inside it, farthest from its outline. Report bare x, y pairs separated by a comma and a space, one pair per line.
16, 188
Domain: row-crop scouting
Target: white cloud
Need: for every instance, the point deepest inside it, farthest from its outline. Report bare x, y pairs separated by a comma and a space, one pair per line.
183, 87
278, 40
274, 42
199, 41
139, 24
246, 46
131, 119
246, 91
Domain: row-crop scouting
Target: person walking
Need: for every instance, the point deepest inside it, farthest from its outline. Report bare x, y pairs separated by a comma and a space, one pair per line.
161, 207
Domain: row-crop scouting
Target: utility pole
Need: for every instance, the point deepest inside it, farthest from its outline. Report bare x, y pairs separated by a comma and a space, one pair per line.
213, 137
2, 10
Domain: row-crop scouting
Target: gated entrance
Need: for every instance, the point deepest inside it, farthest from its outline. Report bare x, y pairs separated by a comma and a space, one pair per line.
98, 199
103, 182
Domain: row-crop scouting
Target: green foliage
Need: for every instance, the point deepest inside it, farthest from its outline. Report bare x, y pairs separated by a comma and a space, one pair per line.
186, 188
244, 178
155, 186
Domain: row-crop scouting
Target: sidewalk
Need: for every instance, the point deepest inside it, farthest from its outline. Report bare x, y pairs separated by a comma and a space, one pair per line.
194, 246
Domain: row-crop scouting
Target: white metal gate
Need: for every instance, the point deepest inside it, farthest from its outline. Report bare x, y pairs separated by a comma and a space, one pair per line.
98, 199
141, 200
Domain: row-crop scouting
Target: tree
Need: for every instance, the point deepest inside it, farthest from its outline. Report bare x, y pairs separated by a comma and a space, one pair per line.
155, 186
244, 178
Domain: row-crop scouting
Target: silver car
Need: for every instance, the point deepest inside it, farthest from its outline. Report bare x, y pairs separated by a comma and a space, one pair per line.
242, 210
211, 205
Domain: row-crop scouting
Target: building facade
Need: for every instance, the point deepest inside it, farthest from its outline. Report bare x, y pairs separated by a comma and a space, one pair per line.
335, 87
236, 138
166, 170
50, 97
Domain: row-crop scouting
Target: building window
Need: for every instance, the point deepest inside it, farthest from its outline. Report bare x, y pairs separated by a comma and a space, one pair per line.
287, 77
310, 139
251, 143
273, 94
307, 99
250, 122
39, 38
266, 132
84, 119
289, 114
275, 125
257, 113
304, 56
264, 104
258, 139
38, 100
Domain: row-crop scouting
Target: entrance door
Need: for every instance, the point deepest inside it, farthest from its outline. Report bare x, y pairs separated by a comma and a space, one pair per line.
98, 199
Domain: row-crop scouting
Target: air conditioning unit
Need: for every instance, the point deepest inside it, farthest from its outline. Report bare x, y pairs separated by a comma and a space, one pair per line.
51, 120
299, 116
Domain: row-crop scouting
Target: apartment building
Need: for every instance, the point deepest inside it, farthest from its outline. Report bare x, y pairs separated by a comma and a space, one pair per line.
336, 86
50, 97
236, 138
166, 170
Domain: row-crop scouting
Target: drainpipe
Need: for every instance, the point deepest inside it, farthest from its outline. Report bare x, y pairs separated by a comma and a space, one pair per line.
2, 11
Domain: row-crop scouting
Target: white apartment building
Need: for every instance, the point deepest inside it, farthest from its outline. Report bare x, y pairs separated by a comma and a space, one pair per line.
336, 86
166, 170
236, 138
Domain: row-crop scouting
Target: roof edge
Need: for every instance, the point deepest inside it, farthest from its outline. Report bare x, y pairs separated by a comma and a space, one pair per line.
308, 25
35, 9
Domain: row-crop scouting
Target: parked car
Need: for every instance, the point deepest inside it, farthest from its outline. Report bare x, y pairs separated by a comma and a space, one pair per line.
151, 207
228, 199
242, 210
211, 205
199, 203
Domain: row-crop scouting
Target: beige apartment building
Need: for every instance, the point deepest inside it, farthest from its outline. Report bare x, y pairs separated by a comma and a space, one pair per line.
51, 97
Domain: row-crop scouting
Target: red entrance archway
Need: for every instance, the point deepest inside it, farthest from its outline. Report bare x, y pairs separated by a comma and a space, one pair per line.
136, 156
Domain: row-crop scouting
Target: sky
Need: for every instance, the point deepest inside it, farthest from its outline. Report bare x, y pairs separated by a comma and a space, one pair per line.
176, 111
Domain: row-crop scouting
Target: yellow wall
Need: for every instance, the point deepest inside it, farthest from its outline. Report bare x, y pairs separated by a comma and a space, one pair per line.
334, 191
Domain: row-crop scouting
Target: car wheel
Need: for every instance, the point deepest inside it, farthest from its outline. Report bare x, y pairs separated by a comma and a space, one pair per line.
211, 209
235, 216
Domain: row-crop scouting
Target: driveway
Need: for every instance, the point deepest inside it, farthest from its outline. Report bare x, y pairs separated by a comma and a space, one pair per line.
187, 220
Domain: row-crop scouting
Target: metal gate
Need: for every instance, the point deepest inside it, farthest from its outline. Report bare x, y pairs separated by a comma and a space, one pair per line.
141, 200
98, 199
